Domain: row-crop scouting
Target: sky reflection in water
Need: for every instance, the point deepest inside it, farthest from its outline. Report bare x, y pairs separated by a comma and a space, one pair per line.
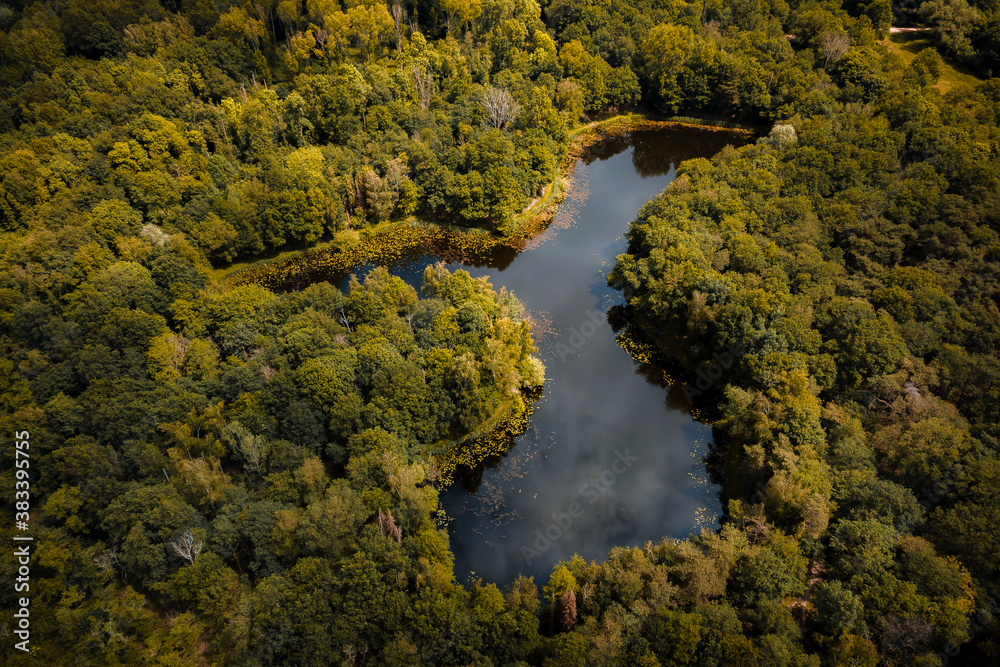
603, 444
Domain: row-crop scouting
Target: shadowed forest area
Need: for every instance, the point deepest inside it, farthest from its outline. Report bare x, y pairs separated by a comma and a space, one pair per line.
232, 475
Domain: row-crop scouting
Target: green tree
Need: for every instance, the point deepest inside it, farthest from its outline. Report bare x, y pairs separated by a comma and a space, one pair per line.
951, 21
664, 55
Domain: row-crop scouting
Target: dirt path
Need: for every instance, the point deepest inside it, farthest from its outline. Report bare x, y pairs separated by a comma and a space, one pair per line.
892, 30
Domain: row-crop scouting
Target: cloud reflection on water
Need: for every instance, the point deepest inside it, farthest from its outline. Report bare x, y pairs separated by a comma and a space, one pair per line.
596, 400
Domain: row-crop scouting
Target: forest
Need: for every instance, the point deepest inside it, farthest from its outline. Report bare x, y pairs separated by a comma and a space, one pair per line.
227, 473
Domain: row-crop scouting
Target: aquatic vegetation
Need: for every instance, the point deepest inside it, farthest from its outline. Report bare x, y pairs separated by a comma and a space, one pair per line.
394, 243
491, 442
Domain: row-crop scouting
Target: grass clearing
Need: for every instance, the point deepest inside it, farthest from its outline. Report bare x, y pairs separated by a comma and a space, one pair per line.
908, 44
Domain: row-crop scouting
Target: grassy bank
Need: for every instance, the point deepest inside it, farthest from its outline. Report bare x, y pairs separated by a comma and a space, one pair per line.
907, 45
491, 440
395, 241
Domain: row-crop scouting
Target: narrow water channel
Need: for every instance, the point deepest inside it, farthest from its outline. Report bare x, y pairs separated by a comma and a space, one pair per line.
605, 462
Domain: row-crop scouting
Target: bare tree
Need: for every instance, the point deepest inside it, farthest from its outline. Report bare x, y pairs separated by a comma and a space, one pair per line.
323, 38
501, 107
387, 526
356, 656
187, 547
835, 45
343, 319
424, 84
107, 561
901, 638
568, 605
398, 14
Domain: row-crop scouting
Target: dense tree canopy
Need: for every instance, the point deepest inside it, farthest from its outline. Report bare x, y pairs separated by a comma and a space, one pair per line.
833, 254
237, 476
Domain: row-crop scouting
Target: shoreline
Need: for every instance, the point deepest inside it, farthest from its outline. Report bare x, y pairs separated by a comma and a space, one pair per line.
389, 242
392, 242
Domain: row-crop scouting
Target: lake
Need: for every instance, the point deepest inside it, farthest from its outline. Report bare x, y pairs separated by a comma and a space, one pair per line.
606, 461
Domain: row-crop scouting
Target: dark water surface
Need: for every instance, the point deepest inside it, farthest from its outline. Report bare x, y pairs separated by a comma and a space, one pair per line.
606, 462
